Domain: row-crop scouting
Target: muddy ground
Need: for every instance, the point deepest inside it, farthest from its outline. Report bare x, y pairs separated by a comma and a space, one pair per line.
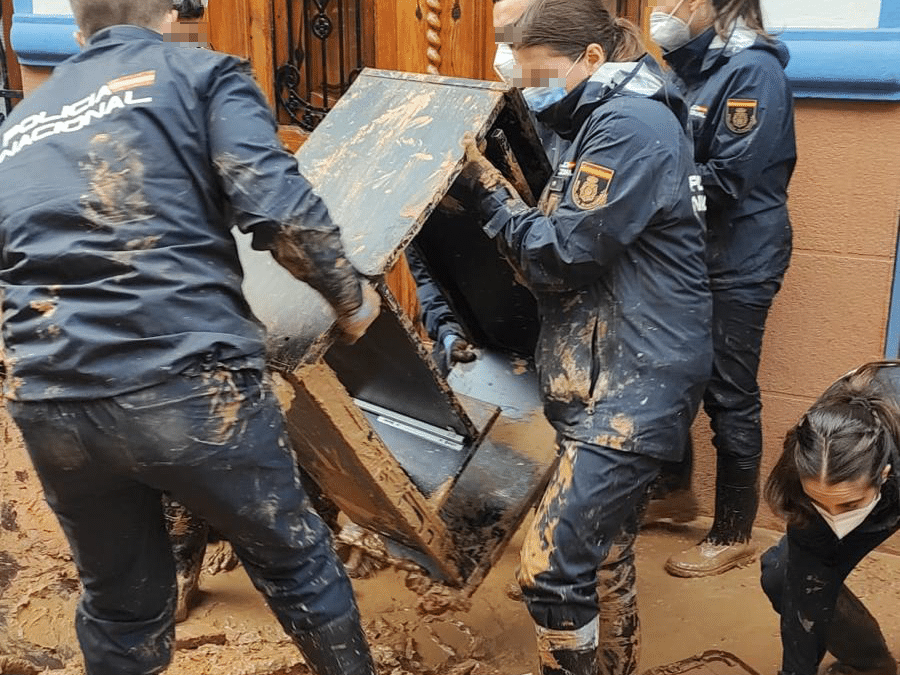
231, 632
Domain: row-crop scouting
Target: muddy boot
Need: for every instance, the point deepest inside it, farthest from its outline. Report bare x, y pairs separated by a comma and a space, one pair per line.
337, 648
856, 641
728, 543
187, 534
568, 662
671, 497
620, 628
677, 507
568, 652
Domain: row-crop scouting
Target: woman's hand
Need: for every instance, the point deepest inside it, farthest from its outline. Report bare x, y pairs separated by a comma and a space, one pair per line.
478, 171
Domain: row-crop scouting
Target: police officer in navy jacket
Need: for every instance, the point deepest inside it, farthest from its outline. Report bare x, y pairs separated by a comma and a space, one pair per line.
742, 118
614, 255
135, 365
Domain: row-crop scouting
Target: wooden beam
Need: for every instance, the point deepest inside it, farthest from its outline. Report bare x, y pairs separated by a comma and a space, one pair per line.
13, 72
229, 27
262, 49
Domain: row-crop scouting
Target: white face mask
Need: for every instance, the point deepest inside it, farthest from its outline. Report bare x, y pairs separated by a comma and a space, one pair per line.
668, 31
845, 523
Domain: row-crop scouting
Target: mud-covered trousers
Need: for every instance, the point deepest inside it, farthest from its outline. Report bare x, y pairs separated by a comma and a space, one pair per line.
215, 440
802, 576
590, 508
732, 402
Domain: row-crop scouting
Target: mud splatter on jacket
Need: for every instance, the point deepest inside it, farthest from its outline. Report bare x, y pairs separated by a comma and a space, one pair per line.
742, 118
120, 179
615, 257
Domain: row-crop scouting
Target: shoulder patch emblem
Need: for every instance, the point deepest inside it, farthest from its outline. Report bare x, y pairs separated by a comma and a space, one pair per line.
740, 115
590, 189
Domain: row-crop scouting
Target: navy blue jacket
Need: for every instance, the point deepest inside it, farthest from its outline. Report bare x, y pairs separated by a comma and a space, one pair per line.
742, 116
437, 315
120, 179
614, 255
818, 562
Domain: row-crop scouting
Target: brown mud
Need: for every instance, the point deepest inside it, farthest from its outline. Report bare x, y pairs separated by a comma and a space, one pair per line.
231, 632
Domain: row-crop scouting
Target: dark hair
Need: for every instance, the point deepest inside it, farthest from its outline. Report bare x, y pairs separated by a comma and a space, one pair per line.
848, 435
729, 11
567, 27
94, 15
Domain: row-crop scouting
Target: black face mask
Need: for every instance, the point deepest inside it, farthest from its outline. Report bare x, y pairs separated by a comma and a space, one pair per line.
189, 9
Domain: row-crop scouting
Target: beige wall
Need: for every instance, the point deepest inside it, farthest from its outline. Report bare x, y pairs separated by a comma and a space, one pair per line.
831, 314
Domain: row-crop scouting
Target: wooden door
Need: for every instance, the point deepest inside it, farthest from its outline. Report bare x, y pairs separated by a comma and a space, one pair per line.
10, 73
305, 53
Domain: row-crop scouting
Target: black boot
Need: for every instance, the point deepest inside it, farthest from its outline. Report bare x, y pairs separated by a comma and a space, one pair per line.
620, 628
337, 648
568, 662
188, 535
737, 501
568, 652
671, 496
855, 639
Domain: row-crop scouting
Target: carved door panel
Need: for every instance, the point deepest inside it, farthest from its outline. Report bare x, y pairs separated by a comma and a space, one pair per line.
320, 48
306, 53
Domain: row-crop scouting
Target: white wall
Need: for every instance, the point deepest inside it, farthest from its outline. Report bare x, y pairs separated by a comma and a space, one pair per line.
51, 7
826, 14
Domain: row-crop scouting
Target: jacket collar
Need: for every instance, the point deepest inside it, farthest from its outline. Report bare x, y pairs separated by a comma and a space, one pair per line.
636, 78
122, 33
693, 60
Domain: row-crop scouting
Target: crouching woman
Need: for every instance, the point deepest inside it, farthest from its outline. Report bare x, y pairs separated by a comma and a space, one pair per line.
836, 484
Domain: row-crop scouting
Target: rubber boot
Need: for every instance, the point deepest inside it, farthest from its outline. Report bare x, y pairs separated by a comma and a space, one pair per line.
188, 535
671, 497
728, 543
620, 629
855, 639
568, 652
337, 648
568, 662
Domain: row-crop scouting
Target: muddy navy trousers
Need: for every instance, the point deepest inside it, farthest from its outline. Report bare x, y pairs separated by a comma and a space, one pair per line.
215, 440
732, 401
802, 576
592, 502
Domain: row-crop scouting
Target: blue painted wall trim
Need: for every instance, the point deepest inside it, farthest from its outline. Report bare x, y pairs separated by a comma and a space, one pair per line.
890, 14
856, 65
41, 39
892, 340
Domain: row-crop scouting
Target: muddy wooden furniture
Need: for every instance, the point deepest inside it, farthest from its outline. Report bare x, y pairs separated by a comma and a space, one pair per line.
446, 474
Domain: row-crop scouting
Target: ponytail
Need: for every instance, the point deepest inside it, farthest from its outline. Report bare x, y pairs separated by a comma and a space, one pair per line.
630, 46
729, 11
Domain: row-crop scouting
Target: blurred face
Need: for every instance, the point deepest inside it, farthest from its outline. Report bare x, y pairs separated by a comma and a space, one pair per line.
190, 31
540, 67
842, 497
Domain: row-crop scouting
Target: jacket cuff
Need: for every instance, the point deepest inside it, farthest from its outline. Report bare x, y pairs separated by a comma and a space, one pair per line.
498, 207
